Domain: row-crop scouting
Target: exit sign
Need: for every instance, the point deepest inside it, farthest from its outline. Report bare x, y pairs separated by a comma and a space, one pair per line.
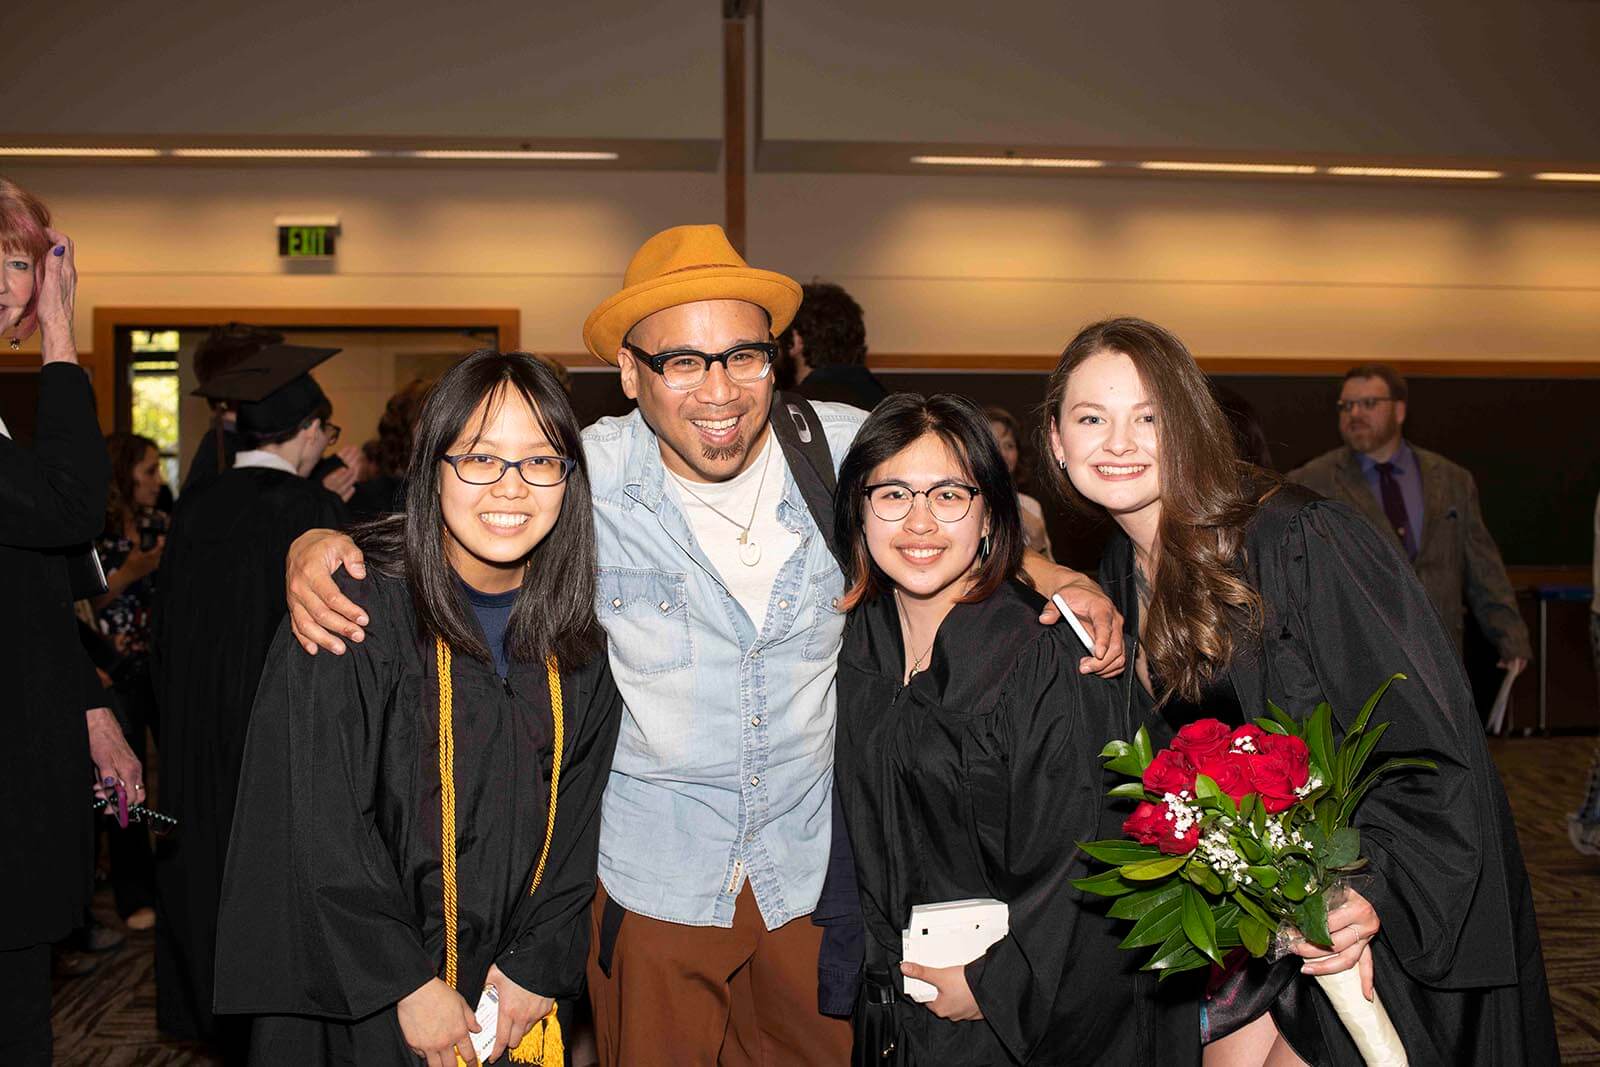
307, 238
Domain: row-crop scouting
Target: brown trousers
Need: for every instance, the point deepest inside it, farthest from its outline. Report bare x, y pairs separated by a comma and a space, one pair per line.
704, 996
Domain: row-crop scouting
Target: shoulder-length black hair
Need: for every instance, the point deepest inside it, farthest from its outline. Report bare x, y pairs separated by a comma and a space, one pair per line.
895, 425
554, 609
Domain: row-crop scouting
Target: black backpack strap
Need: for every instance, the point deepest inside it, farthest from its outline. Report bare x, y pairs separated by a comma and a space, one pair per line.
805, 446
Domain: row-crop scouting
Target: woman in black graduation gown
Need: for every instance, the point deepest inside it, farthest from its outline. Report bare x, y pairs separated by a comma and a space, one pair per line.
1242, 590
967, 762
418, 819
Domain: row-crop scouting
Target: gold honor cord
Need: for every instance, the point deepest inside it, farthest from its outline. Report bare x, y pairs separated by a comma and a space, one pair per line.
542, 1043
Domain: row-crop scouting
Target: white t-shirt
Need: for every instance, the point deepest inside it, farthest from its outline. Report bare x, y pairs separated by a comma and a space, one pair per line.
738, 499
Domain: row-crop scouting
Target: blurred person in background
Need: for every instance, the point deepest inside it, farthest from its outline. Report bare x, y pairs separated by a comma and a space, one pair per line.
1248, 433
130, 550
825, 349
219, 598
52, 503
1583, 825
1008, 435
382, 490
1427, 504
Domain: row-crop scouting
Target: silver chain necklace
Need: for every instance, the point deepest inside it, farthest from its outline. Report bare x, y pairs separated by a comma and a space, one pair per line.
749, 547
916, 666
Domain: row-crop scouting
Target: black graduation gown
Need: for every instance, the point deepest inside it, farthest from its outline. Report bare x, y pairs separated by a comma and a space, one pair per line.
976, 780
1458, 961
332, 908
220, 597
52, 502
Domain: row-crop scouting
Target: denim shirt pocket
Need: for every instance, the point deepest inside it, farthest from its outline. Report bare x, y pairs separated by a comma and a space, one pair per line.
646, 616
827, 621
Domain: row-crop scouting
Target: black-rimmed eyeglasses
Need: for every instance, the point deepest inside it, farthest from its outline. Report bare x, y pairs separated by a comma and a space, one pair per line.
1365, 403
947, 501
477, 468
686, 368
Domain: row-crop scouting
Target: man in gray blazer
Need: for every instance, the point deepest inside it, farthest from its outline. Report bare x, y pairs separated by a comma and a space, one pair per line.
1428, 504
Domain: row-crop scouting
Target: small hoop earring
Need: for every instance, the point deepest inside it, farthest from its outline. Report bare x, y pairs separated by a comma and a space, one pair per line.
1061, 463
984, 547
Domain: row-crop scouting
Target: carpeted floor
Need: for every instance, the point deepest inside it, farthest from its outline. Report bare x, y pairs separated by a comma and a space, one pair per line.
108, 1018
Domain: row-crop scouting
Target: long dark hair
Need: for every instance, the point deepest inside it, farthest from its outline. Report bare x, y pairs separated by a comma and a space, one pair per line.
127, 451
894, 426
554, 609
1200, 605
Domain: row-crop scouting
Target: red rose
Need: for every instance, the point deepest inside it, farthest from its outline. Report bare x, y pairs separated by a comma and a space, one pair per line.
1231, 772
1149, 825
1247, 738
1169, 772
1282, 765
1201, 739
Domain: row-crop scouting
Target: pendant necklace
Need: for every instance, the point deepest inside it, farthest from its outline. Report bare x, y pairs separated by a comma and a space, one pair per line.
916, 666
749, 547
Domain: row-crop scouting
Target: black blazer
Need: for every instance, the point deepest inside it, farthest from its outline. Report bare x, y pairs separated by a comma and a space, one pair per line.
52, 501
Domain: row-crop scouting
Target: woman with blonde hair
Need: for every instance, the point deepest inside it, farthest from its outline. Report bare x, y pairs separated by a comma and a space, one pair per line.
1238, 590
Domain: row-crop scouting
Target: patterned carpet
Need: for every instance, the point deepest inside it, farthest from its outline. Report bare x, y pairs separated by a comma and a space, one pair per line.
108, 1018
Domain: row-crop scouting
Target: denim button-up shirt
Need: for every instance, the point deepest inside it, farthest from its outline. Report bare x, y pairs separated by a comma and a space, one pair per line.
724, 767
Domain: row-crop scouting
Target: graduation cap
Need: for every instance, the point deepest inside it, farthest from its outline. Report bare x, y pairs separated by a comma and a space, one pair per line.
271, 389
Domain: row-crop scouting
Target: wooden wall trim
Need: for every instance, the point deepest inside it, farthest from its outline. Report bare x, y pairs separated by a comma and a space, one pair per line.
1311, 368
506, 322
735, 125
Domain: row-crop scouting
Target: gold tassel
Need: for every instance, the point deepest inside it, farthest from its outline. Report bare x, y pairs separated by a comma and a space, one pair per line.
542, 1044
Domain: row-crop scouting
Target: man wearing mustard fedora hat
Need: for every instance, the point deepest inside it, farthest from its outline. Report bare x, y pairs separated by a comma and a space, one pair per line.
719, 595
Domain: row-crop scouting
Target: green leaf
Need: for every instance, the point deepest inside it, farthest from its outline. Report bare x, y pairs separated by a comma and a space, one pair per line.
1199, 924
1315, 837
1267, 876
1141, 746
1258, 816
1105, 884
1358, 760
1255, 911
1319, 737
1271, 726
1156, 925
1114, 749
1187, 960
1249, 848
1344, 848
1116, 850
1205, 787
1175, 955
1312, 919
1255, 934
1284, 718
1128, 790
1226, 805
1138, 905
1150, 870
1328, 814
1292, 883
1372, 702
1203, 876
1127, 764
1348, 807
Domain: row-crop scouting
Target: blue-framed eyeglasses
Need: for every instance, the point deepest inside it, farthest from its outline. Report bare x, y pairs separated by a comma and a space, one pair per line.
478, 468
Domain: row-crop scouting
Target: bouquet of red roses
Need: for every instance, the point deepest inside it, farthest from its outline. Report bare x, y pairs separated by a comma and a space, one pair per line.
1241, 834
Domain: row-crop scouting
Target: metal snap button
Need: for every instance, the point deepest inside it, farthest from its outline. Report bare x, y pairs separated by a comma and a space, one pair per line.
665, 606
616, 602
755, 779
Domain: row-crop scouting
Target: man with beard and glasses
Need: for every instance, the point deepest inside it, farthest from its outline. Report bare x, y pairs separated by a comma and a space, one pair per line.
719, 594
1427, 503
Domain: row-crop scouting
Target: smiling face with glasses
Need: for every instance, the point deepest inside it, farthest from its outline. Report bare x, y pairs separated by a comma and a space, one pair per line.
702, 376
497, 509
1370, 417
925, 519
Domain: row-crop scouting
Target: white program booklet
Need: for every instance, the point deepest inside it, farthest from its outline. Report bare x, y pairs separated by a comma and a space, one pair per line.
488, 1014
949, 934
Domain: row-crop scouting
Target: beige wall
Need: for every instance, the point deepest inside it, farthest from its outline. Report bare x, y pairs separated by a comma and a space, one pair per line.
1424, 77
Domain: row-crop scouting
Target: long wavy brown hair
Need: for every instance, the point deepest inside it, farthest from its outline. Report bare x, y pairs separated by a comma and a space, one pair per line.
1200, 607
127, 451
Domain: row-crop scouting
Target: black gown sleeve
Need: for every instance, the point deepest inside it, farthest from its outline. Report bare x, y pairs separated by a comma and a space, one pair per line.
549, 944
53, 495
313, 918
1436, 839
1050, 799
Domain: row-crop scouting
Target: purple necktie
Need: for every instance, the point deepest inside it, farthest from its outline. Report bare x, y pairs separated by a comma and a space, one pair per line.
1394, 506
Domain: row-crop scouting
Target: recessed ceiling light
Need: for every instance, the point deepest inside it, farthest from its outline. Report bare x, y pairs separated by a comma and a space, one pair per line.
1008, 161
127, 153
1566, 176
273, 153
474, 153
1229, 168
1414, 172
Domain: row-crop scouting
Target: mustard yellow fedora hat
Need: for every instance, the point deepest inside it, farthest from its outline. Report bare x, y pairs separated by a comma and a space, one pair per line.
681, 266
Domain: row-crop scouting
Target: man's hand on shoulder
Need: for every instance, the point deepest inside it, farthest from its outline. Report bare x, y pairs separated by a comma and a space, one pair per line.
318, 612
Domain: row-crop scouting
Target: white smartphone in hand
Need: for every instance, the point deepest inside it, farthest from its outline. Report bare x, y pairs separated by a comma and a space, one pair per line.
1077, 627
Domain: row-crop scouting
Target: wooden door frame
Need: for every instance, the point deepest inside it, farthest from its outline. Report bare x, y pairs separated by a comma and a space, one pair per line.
101, 359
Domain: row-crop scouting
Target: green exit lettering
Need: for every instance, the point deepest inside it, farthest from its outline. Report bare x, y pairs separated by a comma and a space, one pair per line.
298, 242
